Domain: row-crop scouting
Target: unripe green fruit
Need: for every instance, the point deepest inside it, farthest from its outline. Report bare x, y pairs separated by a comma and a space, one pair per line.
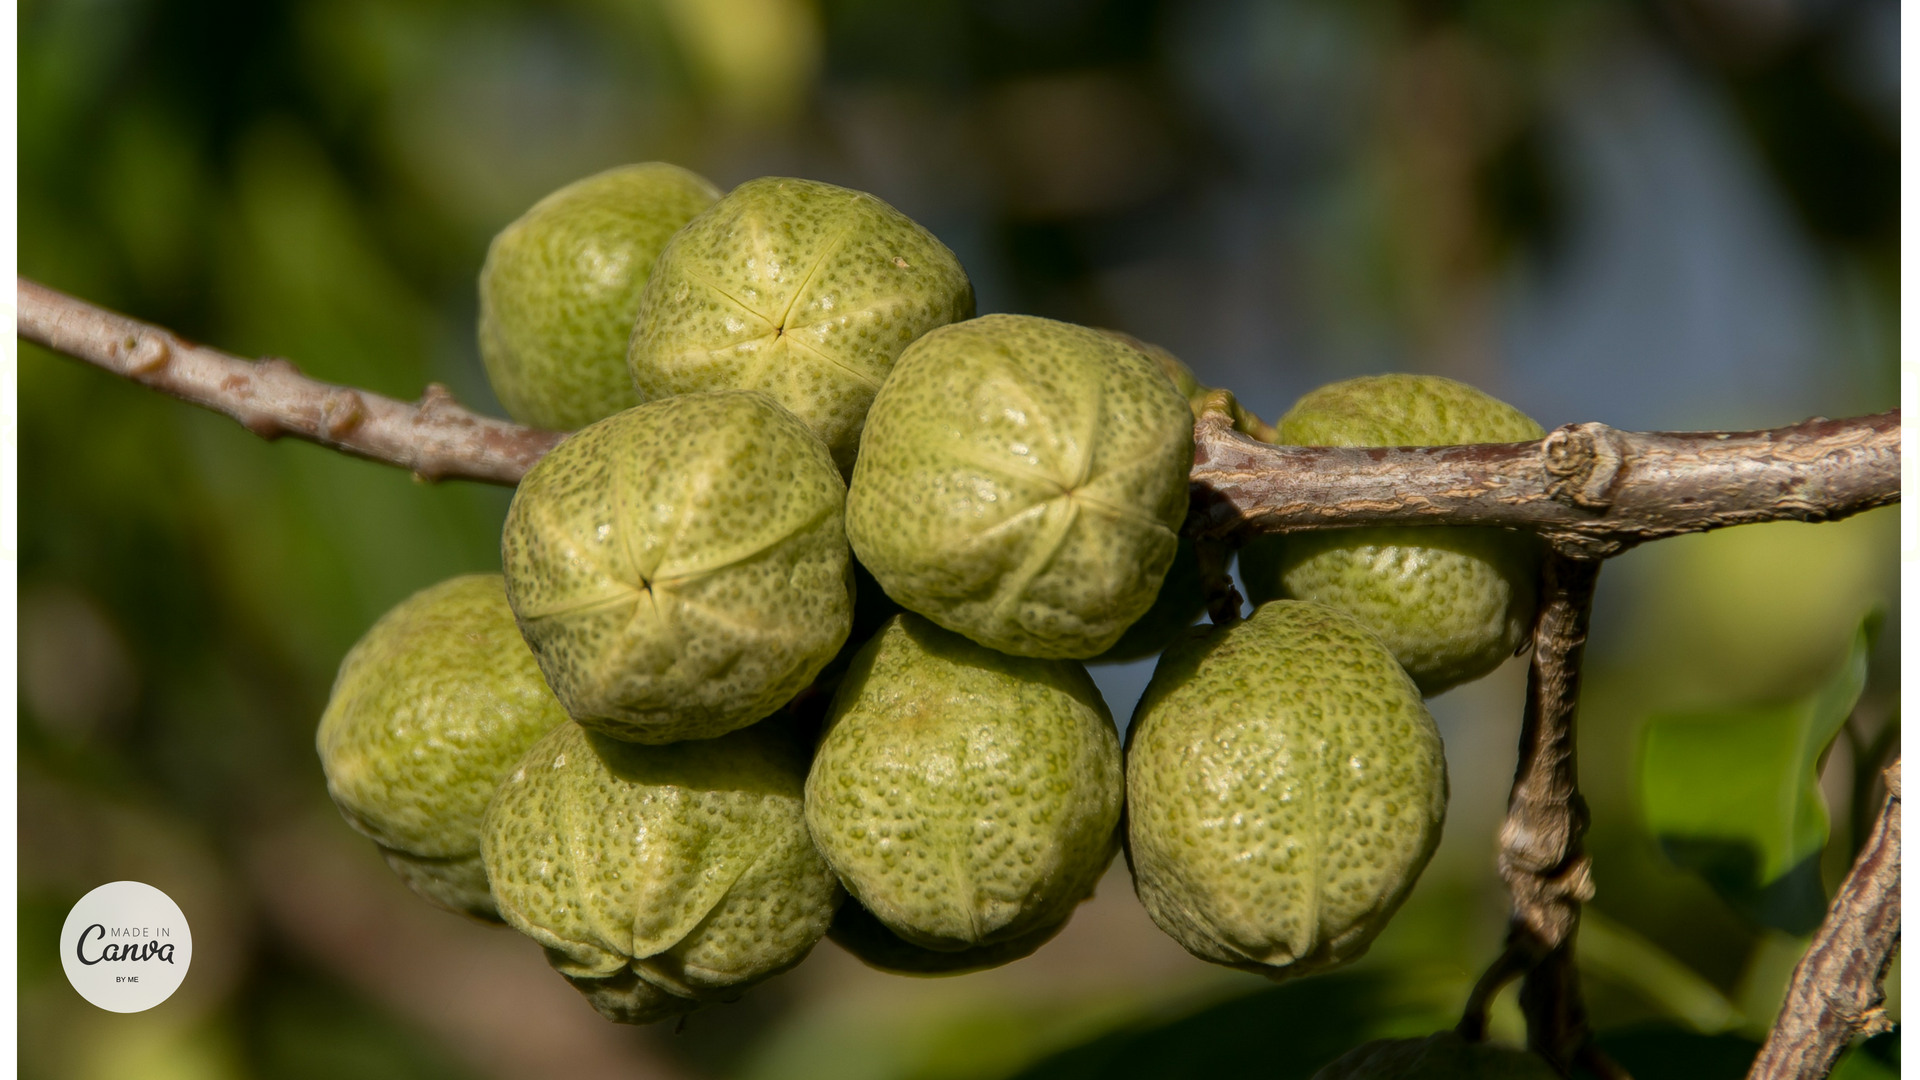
1441, 1056
430, 712
1451, 602
856, 930
561, 287
660, 878
803, 290
1021, 481
966, 797
1285, 787
1182, 598
680, 568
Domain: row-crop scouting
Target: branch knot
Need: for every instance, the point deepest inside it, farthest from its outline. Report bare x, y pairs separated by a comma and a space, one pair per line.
1583, 462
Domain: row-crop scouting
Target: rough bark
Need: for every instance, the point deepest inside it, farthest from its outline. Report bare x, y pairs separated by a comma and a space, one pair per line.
1585, 486
1837, 991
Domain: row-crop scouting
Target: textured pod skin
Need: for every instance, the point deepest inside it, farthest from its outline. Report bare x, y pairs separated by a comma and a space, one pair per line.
856, 930
966, 797
1441, 1056
680, 569
561, 287
1180, 601
1285, 787
1021, 482
430, 712
803, 290
660, 878
1452, 603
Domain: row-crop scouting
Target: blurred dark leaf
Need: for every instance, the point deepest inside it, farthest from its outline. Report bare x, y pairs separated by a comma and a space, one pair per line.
1664, 1053
1286, 1032
1734, 794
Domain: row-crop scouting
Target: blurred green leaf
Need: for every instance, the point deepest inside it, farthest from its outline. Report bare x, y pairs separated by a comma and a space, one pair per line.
1734, 794
1613, 950
1282, 1033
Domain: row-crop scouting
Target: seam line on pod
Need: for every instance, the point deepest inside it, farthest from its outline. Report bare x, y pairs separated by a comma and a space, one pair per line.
820, 260
865, 380
741, 304
682, 577
1039, 554
625, 594
1118, 511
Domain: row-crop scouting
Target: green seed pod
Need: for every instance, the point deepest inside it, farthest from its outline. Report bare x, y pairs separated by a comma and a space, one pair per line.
1021, 482
856, 930
1285, 787
966, 797
680, 568
1440, 1056
805, 291
1451, 602
660, 878
561, 287
1196, 392
430, 712
1182, 597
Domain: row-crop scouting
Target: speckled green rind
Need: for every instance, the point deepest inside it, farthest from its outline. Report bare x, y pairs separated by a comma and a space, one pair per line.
803, 290
1285, 787
431, 709
1196, 392
680, 569
1021, 481
1441, 1056
856, 930
688, 865
966, 797
1182, 597
1452, 603
561, 288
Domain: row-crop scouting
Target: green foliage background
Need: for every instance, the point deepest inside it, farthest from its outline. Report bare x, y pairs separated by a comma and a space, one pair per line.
1283, 193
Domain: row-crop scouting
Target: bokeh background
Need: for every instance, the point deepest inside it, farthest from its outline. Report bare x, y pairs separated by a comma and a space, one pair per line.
1657, 214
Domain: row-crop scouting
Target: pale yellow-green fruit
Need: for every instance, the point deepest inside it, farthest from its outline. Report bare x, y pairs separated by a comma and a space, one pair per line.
561, 287
1451, 602
1021, 482
1444, 1055
680, 568
430, 712
966, 797
803, 290
660, 878
1285, 787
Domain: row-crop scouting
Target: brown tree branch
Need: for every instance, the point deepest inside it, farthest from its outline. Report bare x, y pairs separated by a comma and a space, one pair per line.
1586, 484
436, 439
1836, 991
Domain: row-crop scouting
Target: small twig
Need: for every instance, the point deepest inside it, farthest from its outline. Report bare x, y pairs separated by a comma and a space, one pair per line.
1836, 992
1588, 487
1513, 962
1541, 857
436, 439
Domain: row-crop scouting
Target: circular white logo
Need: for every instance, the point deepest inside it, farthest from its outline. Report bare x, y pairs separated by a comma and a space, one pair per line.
126, 946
